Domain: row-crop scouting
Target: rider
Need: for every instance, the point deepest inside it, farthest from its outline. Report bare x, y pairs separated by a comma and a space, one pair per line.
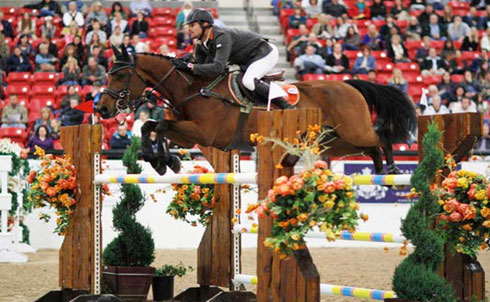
218, 46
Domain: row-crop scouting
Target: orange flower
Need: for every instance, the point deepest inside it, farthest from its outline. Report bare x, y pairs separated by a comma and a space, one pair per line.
302, 217
51, 191
321, 164
486, 224
44, 186
252, 207
467, 227
283, 189
485, 212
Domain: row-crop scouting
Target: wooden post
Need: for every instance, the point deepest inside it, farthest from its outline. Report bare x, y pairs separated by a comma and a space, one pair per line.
76, 256
294, 279
461, 131
215, 255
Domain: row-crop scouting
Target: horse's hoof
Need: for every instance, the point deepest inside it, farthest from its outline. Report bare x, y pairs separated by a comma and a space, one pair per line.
394, 170
159, 167
174, 164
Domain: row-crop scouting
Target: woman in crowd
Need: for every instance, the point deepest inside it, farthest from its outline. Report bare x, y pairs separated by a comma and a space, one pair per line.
71, 72
41, 139
352, 40
470, 43
364, 63
27, 25
25, 46
397, 80
117, 7
44, 119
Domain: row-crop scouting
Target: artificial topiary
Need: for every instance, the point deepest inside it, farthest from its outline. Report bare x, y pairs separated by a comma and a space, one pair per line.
416, 278
134, 246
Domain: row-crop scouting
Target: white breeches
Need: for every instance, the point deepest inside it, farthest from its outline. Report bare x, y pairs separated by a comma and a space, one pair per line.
260, 68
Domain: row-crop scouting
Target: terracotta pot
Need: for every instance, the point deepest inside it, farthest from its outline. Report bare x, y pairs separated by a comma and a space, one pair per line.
129, 283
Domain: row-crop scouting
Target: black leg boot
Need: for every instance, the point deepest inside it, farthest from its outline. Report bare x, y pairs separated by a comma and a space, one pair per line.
262, 90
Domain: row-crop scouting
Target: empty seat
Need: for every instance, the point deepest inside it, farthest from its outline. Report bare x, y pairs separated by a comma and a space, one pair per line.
19, 89
18, 135
44, 90
44, 78
19, 77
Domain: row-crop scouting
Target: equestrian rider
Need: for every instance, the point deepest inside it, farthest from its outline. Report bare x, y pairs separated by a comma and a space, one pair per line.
218, 46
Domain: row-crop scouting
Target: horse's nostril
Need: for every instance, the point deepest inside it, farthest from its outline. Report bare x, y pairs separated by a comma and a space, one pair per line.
104, 111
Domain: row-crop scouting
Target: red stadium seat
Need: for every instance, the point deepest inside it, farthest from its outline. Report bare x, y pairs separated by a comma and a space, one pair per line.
290, 34
42, 78
162, 21
401, 147
313, 77
383, 78
311, 22
17, 135
408, 67
44, 90
384, 67
36, 104
284, 16
413, 44
170, 41
19, 89
469, 56
352, 54
457, 78
162, 12
19, 77
340, 77
437, 44
164, 31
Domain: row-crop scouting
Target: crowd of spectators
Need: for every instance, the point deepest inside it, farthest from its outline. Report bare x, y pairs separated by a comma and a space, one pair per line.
55, 55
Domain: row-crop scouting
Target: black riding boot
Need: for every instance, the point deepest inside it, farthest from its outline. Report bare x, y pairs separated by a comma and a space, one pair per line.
262, 90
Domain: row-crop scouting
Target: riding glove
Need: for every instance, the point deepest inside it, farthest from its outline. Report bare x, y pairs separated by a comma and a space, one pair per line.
181, 65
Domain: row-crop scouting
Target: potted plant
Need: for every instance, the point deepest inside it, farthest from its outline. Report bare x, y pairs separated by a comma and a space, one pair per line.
127, 258
163, 281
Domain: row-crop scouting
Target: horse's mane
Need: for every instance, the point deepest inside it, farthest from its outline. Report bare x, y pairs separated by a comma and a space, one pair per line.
155, 55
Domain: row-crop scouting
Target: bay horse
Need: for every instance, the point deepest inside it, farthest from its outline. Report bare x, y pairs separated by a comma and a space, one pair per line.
210, 120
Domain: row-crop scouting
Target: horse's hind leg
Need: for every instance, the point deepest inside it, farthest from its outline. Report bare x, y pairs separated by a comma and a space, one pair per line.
390, 162
377, 157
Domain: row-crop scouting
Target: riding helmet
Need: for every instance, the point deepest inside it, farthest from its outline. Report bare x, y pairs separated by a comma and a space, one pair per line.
200, 15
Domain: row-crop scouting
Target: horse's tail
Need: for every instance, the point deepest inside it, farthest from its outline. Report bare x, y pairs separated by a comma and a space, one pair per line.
396, 120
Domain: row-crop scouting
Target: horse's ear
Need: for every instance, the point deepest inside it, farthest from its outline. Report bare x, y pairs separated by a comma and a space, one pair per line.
116, 51
125, 54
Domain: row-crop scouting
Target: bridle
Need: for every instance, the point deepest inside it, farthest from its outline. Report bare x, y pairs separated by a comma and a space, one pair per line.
123, 102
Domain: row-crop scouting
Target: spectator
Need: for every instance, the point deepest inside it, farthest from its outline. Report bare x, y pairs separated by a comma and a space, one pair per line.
477, 63
4, 49
165, 51
298, 42
121, 138
486, 18
482, 105
138, 44
81, 7
93, 72
425, 16
48, 29
448, 51
118, 8
184, 39
352, 40
447, 16
79, 48
95, 43
156, 113
457, 96
71, 93
433, 29
458, 29
119, 21
71, 72
296, 19
372, 76
433, 64
41, 139
313, 9
485, 85
364, 63
127, 43
378, 10
71, 32
385, 30
328, 47
182, 15
360, 10
480, 75
397, 51
56, 126
27, 25
44, 60
463, 106
97, 13
323, 29
95, 94
423, 51
18, 62
25, 46
46, 8
14, 115
69, 115
52, 48
313, 41
483, 143
117, 37
436, 107
334, 8
485, 40
140, 26
413, 31
417, 4
479, 4
337, 62
397, 80
446, 86
472, 19
372, 38
73, 15
143, 117
44, 119
470, 43
140, 6
309, 62
399, 11
69, 53
340, 30
471, 86
6, 27
96, 31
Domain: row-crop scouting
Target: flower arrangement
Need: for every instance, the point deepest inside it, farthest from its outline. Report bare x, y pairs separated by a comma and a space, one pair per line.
196, 200
315, 197
465, 210
54, 185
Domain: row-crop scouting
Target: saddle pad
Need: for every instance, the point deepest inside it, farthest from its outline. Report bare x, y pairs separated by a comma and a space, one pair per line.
291, 90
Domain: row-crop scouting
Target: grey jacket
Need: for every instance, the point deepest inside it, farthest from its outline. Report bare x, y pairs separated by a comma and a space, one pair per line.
228, 45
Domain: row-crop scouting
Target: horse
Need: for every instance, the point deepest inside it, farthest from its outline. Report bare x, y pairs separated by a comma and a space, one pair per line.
207, 118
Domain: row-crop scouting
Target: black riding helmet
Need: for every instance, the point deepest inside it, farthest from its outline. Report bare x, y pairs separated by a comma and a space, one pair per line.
200, 15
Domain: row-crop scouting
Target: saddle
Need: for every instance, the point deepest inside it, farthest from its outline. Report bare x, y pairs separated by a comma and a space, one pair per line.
245, 97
